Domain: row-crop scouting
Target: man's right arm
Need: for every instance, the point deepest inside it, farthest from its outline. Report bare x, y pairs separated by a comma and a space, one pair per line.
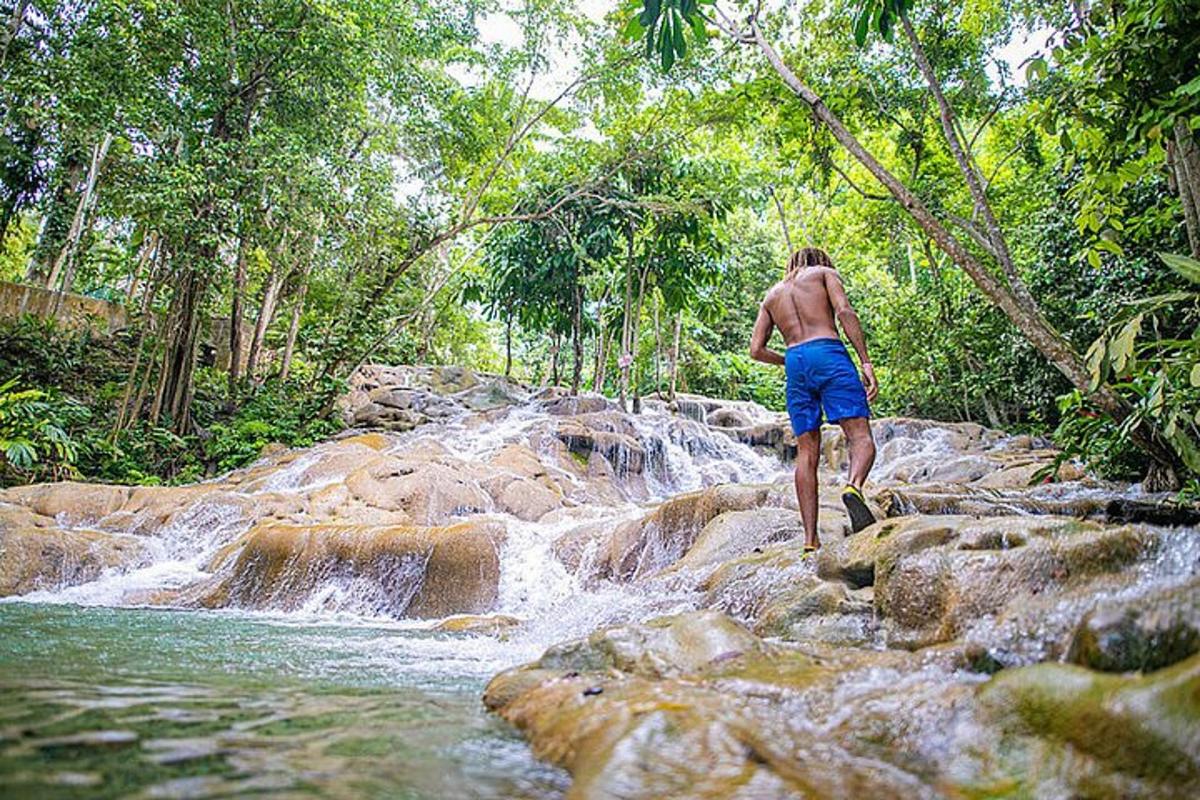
848, 320
762, 334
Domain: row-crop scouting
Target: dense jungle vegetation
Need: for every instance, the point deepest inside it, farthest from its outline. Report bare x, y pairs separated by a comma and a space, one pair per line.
594, 195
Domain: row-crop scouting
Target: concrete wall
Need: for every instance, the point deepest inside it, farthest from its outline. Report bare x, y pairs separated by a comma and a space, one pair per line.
73, 310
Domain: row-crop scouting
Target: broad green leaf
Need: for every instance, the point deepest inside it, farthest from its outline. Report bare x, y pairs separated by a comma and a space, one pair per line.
1189, 268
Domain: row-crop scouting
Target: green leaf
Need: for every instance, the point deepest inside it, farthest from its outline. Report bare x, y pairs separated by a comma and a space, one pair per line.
1036, 69
1194, 378
633, 29
862, 25
1095, 363
680, 44
1187, 267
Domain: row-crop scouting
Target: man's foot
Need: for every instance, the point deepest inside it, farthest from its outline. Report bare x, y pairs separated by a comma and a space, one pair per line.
856, 506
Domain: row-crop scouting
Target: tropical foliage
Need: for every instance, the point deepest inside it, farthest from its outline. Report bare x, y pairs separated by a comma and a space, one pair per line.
600, 202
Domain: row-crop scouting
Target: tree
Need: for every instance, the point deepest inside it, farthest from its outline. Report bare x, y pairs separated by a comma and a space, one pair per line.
663, 25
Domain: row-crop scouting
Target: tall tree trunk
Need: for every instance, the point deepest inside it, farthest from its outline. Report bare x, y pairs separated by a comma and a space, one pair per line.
787, 235
179, 356
11, 30
673, 364
64, 262
508, 345
626, 359
554, 348
128, 410
1032, 324
237, 313
1186, 161
657, 347
266, 309
294, 327
636, 336
577, 334
146, 256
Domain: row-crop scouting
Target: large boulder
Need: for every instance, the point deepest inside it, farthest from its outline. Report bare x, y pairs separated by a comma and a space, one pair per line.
401, 571
664, 646
72, 503
1150, 630
34, 558
1067, 731
931, 594
642, 546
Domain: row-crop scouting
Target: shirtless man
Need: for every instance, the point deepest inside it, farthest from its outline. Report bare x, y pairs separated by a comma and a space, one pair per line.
820, 375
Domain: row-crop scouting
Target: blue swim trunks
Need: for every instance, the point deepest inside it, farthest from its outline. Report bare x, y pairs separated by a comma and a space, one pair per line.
820, 375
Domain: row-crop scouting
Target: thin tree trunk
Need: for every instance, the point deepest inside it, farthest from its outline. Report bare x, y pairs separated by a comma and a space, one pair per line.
1048, 341
554, 348
294, 327
577, 333
148, 252
674, 357
127, 413
236, 313
625, 360
64, 262
508, 346
1187, 182
266, 310
657, 347
635, 337
970, 174
13, 28
787, 235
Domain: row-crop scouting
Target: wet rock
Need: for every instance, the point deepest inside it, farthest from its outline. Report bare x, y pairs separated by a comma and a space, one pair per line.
1153, 630
814, 598
1097, 735
640, 547
570, 406
735, 533
400, 570
729, 418
76, 503
665, 646
932, 594
1153, 513
971, 500
492, 395
429, 493
489, 625
33, 558
527, 499
623, 453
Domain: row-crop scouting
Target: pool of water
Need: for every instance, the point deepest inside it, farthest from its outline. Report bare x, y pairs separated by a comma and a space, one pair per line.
124, 702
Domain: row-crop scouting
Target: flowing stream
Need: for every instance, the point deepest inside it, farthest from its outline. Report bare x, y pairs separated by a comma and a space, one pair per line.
101, 696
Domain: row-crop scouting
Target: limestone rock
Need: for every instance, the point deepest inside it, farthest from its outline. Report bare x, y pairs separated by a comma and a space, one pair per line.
665, 646
33, 558
76, 503
1152, 630
640, 547
402, 570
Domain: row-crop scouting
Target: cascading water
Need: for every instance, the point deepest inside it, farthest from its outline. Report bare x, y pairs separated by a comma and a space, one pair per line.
561, 569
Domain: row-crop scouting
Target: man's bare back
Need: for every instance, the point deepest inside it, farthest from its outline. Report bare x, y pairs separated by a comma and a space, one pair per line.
804, 306
800, 306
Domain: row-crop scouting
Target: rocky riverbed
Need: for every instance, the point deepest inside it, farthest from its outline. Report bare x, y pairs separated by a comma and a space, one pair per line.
1008, 629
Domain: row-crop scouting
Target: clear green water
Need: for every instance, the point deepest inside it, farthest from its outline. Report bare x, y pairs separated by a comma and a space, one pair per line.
104, 702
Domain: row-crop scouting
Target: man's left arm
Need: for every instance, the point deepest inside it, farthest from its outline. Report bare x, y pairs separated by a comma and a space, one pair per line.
758, 340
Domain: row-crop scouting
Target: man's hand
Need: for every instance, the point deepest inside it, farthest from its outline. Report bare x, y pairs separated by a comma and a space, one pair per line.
870, 382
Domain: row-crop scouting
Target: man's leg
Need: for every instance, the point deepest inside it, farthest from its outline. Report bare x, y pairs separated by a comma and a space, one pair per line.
861, 447
808, 451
